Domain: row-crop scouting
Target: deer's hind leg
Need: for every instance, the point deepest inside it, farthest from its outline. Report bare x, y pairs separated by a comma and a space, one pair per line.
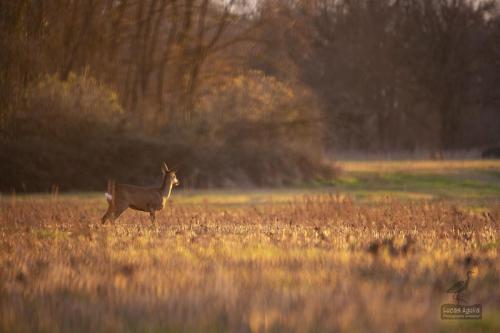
119, 209
108, 215
113, 214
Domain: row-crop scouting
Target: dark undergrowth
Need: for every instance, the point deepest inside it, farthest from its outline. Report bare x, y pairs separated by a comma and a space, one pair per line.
36, 164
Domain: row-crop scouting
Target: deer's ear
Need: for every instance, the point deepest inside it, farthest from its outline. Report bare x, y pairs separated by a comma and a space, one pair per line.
165, 167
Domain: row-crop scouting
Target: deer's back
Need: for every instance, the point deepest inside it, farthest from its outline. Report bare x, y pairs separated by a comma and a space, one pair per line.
138, 197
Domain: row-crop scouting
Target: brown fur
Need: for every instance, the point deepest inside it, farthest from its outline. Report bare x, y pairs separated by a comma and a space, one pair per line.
146, 199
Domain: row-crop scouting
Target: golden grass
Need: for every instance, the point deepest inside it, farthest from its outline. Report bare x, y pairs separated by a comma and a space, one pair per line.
418, 165
302, 266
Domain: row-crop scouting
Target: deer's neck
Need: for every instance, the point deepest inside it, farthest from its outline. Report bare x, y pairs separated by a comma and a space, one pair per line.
169, 190
166, 187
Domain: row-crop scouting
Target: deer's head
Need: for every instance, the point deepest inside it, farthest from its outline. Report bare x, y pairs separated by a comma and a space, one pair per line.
170, 173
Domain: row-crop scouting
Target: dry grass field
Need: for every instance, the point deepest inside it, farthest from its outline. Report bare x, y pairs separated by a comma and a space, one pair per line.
374, 252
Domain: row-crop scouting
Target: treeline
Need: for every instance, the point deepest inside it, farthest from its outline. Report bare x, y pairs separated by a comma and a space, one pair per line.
232, 90
400, 75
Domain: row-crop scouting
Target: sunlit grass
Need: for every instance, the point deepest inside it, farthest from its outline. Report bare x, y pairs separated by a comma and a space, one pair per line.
256, 260
473, 181
444, 166
280, 266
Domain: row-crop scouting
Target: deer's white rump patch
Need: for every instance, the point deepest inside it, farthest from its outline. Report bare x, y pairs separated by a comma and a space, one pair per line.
108, 196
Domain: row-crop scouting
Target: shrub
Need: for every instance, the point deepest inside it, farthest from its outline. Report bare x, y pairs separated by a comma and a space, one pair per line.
77, 107
253, 107
251, 131
255, 130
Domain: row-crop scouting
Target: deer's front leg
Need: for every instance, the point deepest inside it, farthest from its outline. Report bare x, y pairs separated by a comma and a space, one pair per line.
152, 214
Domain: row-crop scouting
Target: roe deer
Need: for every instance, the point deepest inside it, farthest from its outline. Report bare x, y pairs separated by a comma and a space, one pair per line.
146, 199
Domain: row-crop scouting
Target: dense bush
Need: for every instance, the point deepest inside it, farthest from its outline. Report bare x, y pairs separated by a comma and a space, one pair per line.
79, 106
253, 107
253, 129
250, 131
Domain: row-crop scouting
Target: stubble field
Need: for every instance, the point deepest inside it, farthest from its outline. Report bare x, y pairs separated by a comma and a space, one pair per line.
374, 251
